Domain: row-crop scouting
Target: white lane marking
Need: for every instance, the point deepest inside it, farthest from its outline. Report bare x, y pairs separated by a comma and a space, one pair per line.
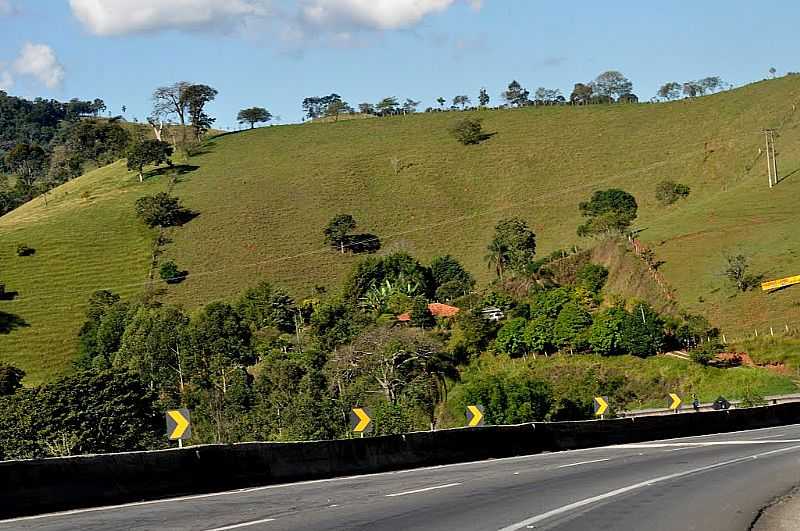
647, 483
710, 443
677, 449
362, 476
426, 489
243, 524
584, 462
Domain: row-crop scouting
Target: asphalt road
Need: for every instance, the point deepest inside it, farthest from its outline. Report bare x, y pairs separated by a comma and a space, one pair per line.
717, 482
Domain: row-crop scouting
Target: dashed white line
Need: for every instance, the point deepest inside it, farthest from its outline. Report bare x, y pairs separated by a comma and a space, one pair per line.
594, 499
584, 462
243, 524
426, 489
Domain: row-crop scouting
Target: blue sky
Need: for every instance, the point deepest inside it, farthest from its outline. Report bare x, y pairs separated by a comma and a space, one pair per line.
273, 53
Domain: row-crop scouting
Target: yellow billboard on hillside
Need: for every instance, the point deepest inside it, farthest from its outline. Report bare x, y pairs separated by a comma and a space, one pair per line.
782, 283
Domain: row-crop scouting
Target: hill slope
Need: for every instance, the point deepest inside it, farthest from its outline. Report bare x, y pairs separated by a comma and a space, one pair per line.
263, 197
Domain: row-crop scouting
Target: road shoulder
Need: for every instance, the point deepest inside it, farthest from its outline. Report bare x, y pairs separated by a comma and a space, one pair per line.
783, 514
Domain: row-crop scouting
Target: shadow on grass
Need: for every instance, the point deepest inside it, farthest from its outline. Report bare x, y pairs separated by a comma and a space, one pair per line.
177, 170
8, 295
10, 322
180, 277
789, 175
185, 216
363, 243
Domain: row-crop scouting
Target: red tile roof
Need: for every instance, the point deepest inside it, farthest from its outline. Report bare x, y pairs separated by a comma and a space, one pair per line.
436, 308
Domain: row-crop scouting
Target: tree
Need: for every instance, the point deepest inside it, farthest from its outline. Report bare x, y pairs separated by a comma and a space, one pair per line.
314, 107
410, 106
10, 379
513, 246
392, 359
516, 95
468, 131
366, 108
155, 345
254, 115
772, 71
668, 192
605, 335
461, 101
511, 338
221, 345
441, 101
170, 273
447, 272
337, 108
148, 152
608, 211
337, 230
592, 277
669, 91
387, 106
570, 325
29, 163
421, 316
160, 210
196, 97
267, 306
692, 89
612, 84
711, 84
170, 101
483, 97
737, 272
581, 94
643, 332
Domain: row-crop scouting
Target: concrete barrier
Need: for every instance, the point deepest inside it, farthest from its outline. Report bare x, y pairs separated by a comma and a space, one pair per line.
46, 485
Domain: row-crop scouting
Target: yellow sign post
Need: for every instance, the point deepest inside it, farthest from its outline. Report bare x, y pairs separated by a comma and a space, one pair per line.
179, 425
674, 402
780, 283
474, 416
600, 406
361, 420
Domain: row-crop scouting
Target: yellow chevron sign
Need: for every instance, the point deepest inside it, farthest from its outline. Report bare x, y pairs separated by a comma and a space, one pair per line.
474, 416
600, 405
780, 283
179, 425
360, 420
674, 401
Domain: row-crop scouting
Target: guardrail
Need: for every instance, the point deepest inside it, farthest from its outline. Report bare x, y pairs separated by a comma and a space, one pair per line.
47, 485
706, 406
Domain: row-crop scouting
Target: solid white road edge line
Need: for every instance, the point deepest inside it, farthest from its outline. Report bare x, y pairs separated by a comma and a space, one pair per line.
711, 443
426, 489
358, 476
584, 462
594, 499
243, 524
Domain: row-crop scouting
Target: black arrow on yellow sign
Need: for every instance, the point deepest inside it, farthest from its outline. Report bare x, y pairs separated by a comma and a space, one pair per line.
600, 405
361, 420
179, 424
475, 416
674, 402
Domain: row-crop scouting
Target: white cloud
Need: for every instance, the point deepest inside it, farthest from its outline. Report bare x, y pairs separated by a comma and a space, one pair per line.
372, 14
298, 19
39, 61
6, 80
119, 17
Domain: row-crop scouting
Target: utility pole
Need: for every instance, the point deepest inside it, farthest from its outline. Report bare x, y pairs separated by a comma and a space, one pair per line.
772, 163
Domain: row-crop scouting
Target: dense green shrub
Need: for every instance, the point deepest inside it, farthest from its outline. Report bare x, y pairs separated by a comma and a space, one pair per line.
468, 131
160, 210
668, 192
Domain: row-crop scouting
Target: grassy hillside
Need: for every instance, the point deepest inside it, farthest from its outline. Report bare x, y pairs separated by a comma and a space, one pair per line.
263, 197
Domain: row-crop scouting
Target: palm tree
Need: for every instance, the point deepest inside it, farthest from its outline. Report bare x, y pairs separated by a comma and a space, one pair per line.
498, 257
